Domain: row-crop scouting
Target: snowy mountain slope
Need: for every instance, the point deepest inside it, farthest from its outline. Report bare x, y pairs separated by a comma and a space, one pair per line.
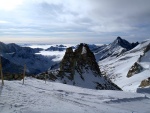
79, 68
117, 68
37, 97
116, 48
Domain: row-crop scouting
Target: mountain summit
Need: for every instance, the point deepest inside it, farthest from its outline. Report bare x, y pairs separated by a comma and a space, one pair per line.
123, 43
116, 48
80, 61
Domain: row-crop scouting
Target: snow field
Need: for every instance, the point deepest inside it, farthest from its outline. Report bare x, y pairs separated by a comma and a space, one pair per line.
37, 97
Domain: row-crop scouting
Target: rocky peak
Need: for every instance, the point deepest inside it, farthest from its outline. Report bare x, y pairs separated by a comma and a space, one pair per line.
69, 50
116, 48
81, 60
119, 39
86, 60
67, 64
124, 43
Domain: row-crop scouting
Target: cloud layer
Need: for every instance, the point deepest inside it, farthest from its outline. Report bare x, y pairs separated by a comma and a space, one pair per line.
95, 21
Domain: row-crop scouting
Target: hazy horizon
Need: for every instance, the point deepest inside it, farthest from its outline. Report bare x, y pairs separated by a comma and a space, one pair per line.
74, 21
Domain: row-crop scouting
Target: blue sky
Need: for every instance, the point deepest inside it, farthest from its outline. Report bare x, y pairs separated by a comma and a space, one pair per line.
73, 21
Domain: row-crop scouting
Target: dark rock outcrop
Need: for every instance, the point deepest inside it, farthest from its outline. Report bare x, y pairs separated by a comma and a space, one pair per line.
147, 48
135, 69
145, 83
79, 60
67, 65
134, 44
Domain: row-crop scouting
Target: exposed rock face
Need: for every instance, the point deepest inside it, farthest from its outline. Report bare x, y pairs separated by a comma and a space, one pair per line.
145, 83
135, 69
67, 65
134, 44
80, 61
86, 59
80, 68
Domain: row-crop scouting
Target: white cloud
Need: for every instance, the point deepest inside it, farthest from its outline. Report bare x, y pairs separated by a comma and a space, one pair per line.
9, 4
3, 22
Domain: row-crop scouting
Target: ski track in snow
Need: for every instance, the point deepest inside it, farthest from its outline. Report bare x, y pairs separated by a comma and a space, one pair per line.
37, 97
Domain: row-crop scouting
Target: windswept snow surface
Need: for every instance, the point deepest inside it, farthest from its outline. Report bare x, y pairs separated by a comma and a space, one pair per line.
37, 97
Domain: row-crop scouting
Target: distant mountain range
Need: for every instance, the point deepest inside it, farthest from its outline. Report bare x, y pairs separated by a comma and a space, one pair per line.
126, 64
115, 61
17, 55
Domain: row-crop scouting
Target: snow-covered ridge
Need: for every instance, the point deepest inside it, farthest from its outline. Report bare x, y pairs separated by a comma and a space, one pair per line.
117, 68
